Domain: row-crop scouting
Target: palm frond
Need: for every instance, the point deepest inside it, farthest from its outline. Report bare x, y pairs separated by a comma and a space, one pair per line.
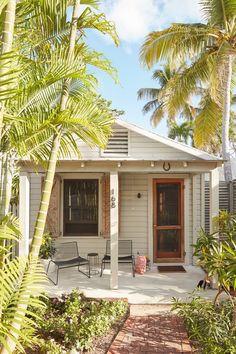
21, 283
3, 5
181, 86
179, 42
207, 122
150, 106
92, 20
9, 74
148, 93
9, 228
218, 12
157, 116
93, 3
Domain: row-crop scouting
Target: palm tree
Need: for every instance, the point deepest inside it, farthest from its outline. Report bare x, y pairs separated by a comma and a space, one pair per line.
157, 98
63, 109
182, 132
209, 49
9, 9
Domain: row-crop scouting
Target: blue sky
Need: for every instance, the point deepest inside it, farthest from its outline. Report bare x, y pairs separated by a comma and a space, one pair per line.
134, 19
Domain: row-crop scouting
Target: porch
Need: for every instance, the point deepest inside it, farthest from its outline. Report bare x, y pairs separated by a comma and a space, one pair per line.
151, 288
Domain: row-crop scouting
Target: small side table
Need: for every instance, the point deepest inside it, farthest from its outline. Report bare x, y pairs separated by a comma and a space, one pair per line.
94, 263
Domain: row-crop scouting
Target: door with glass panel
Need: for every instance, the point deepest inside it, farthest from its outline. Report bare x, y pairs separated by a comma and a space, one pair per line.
168, 219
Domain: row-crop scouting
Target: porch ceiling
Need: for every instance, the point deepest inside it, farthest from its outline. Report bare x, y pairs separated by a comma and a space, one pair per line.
150, 288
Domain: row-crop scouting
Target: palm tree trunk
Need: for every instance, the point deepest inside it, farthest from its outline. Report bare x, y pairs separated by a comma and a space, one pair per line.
6, 175
226, 117
50, 173
7, 39
48, 182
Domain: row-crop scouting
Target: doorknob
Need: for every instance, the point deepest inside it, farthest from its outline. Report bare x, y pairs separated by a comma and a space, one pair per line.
154, 225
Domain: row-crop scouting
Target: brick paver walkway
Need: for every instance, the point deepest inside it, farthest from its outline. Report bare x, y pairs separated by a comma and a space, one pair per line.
163, 334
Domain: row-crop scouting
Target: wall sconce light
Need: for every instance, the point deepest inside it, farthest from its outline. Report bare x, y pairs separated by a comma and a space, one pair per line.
139, 195
119, 164
185, 164
82, 164
152, 164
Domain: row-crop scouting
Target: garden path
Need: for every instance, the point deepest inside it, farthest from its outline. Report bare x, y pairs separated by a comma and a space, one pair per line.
160, 333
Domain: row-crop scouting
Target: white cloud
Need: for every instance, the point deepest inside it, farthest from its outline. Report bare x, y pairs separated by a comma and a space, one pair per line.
134, 19
179, 11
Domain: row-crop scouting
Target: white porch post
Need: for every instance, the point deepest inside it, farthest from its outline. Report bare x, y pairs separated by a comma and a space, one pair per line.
24, 211
214, 197
114, 222
195, 206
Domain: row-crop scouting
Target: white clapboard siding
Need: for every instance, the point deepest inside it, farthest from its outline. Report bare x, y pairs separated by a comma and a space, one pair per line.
143, 148
128, 144
133, 211
234, 196
35, 195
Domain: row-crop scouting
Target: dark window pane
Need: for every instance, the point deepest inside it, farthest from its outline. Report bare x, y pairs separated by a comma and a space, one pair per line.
168, 241
168, 204
81, 207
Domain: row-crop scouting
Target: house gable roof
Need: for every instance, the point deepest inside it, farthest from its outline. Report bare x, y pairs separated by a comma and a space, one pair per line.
198, 154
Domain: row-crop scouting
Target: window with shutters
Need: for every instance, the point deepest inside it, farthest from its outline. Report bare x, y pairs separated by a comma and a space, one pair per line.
81, 207
118, 144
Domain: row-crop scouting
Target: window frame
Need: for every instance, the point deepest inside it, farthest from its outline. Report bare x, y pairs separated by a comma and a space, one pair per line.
82, 176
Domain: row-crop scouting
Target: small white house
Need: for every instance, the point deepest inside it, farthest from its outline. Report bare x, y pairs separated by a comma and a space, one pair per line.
143, 187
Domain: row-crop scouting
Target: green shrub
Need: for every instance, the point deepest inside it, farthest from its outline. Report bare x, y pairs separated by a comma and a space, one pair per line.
46, 249
72, 321
209, 326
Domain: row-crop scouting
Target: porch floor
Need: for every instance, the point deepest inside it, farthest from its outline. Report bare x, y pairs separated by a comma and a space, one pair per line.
151, 288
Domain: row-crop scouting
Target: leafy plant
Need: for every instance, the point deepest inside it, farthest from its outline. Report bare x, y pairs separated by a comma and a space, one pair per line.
227, 225
72, 321
46, 250
218, 257
208, 326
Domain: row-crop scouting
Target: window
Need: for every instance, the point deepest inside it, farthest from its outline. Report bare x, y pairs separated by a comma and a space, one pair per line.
81, 207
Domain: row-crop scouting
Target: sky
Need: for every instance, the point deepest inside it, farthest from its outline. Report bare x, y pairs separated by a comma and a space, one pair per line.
134, 19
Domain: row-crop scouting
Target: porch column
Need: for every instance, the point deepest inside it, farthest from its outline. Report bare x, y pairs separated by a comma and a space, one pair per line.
195, 210
214, 197
114, 202
24, 213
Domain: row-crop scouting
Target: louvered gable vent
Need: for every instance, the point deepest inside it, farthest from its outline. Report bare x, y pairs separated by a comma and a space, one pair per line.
118, 144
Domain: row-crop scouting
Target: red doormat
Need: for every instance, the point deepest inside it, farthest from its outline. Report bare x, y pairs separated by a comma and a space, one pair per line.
169, 269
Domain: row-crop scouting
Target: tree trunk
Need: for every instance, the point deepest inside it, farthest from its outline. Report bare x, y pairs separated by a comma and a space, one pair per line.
51, 168
48, 181
6, 175
227, 78
7, 39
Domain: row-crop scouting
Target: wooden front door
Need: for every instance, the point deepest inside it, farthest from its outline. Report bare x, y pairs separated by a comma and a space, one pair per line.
168, 221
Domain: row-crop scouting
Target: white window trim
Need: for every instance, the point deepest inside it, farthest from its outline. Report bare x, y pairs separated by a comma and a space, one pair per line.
81, 176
